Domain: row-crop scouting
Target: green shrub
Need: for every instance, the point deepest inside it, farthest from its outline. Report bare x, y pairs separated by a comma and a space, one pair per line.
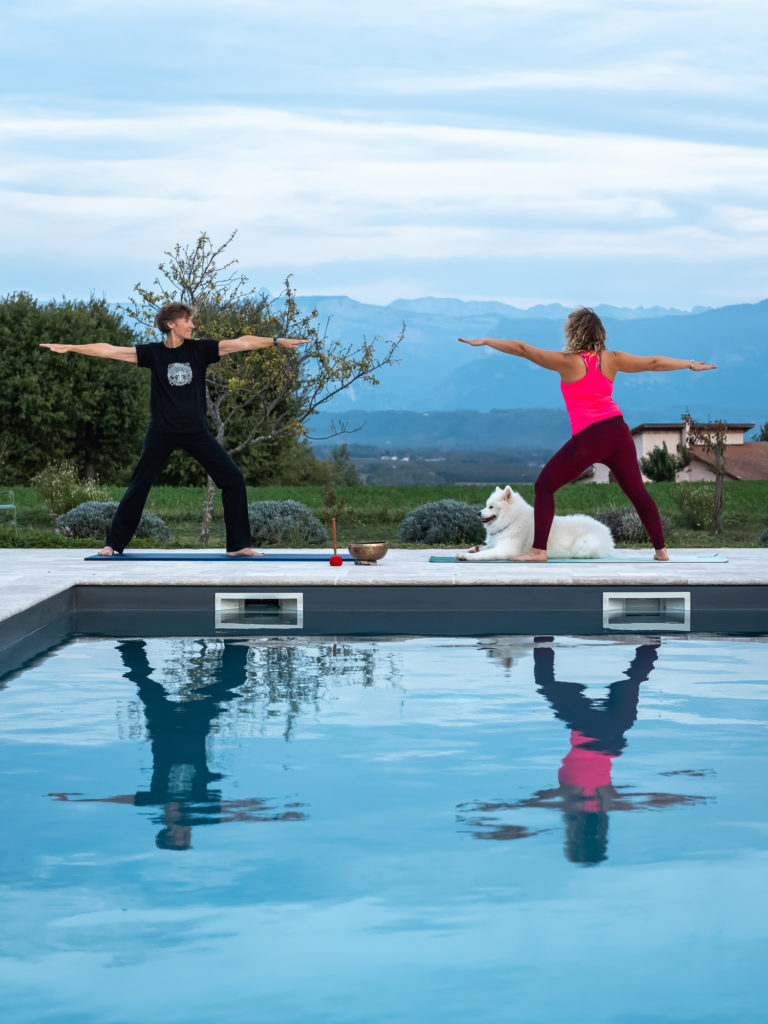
659, 465
696, 502
624, 523
443, 522
92, 519
60, 487
284, 524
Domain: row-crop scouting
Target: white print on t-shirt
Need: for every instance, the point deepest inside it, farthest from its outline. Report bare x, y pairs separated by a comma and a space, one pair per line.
179, 374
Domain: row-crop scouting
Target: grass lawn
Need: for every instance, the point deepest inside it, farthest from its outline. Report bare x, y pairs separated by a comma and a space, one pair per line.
375, 513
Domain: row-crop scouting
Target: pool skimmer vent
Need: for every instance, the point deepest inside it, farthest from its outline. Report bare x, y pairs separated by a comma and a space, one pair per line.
645, 610
259, 611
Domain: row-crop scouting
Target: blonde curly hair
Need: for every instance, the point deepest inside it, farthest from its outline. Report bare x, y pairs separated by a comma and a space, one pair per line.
584, 331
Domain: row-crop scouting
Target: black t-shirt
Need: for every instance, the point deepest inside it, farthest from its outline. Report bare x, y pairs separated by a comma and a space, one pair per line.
177, 396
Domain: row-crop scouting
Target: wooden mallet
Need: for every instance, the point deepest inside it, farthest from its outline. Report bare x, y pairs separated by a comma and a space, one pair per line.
335, 558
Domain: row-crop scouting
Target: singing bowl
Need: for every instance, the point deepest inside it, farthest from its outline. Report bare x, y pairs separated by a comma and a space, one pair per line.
368, 554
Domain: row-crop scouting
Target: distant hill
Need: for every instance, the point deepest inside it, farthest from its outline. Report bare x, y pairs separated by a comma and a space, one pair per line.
459, 308
438, 373
510, 430
421, 466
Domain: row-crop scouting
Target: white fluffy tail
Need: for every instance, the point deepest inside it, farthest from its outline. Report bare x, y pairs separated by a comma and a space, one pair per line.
594, 544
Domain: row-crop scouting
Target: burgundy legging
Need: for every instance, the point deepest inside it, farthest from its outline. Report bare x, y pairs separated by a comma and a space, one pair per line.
607, 441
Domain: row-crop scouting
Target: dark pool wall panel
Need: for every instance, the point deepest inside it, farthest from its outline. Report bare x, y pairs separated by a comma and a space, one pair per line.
24, 637
120, 611
409, 610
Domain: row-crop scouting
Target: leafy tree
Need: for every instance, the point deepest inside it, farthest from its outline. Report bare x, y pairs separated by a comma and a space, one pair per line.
343, 471
89, 412
683, 456
712, 436
659, 465
295, 464
763, 432
256, 398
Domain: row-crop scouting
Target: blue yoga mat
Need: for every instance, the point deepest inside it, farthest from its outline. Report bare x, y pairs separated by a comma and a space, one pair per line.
212, 556
585, 561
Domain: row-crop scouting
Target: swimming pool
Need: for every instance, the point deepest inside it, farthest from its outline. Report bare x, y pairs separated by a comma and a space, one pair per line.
406, 829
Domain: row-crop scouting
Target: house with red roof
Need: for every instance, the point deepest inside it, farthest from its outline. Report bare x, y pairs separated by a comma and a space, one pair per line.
744, 460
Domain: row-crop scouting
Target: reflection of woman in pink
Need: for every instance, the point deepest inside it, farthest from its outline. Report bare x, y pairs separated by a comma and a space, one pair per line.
586, 792
587, 371
598, 730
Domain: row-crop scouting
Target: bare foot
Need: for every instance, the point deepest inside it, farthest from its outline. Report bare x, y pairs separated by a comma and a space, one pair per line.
533, 555
660, 555
245, 553
106, 551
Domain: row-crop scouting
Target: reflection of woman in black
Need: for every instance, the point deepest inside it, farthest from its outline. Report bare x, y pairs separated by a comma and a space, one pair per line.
586, 792
178, 731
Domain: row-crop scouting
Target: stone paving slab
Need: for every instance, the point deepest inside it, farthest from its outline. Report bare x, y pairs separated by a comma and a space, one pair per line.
31, 575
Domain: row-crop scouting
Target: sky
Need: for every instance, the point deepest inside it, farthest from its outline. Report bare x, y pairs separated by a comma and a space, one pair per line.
599, 151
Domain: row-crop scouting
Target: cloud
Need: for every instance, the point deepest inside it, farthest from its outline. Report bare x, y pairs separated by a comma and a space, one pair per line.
317, 190
356, 134
661, 76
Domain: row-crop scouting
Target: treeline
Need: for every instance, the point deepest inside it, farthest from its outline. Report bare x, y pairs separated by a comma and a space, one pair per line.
412, 466
93, 413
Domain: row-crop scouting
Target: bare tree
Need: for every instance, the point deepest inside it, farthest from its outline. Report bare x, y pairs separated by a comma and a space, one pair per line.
713, 438
257, 396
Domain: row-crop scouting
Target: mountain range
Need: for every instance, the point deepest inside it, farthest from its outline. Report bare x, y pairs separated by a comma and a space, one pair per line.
437, 373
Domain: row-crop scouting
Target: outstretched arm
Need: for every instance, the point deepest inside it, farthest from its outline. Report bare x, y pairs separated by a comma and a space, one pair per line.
545, 357
252, 341
626, 363
124, 353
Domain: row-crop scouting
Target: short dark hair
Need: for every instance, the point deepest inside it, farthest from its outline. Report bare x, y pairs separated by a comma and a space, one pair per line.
169, 312
584, 331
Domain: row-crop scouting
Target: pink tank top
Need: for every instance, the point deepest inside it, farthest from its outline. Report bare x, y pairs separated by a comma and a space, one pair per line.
585, 769
589, 399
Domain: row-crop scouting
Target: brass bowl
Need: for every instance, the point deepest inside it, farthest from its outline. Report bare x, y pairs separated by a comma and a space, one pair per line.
368, 554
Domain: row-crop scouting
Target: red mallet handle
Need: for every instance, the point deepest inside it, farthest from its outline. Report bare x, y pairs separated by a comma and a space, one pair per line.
335, 559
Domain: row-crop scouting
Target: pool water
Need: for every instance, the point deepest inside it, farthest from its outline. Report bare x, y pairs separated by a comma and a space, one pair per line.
505, 829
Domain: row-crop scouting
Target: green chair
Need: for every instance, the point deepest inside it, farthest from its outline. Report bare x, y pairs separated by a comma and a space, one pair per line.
7, 504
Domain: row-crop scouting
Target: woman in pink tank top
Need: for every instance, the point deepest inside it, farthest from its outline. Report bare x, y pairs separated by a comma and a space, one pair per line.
587, 371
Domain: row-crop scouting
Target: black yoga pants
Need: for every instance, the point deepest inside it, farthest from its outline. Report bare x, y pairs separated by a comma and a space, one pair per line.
202, 446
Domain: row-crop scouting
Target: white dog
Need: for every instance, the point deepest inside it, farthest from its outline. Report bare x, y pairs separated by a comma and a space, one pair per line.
508, 522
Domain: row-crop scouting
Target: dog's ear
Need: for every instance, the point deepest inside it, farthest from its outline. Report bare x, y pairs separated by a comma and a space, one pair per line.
508, 494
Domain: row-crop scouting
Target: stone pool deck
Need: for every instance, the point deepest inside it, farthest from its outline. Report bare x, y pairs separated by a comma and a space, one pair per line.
30, 576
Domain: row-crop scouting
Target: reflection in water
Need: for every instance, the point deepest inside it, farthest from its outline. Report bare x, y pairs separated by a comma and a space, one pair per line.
290, 678
586, 792
178, 730
213, 687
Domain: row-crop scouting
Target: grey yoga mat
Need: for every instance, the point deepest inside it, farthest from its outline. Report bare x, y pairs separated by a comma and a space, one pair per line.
585, 561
